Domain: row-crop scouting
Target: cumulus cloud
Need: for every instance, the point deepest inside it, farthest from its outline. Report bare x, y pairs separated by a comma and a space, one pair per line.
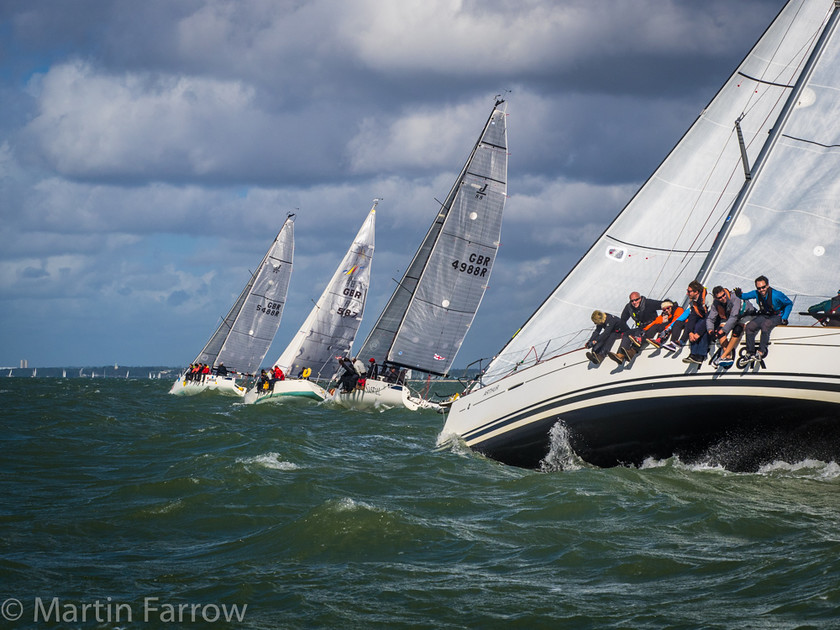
150, 151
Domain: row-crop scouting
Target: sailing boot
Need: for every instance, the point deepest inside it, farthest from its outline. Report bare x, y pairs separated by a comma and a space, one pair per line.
630, 353
619, 357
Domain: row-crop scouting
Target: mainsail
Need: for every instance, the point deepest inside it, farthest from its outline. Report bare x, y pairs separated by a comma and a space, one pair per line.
245, 334
428, 315
658, 242
788, 224
331, 326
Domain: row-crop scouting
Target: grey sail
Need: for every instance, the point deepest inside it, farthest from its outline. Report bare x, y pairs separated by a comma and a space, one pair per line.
658, 242
428, 315
247, 331
331, 326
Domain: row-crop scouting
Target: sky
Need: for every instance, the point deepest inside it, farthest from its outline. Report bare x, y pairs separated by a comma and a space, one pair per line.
150, 151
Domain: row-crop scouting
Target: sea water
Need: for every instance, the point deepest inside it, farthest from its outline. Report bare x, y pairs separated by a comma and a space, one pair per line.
125, 507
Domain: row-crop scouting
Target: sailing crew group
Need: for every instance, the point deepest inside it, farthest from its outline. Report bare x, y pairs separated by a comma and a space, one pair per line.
722, 319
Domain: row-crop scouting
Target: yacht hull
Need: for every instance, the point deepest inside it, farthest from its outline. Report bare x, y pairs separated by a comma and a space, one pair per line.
380, 395
659, 406
220, 384
286, 389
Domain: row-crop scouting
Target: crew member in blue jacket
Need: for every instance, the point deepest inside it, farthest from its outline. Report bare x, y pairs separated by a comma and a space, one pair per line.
773, 309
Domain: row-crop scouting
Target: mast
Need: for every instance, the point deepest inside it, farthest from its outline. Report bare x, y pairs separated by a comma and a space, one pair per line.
775, 133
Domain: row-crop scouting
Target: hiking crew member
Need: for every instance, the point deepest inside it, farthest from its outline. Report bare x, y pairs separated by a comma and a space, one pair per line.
262, 383
723, 318
773, 309
695, 323
349, 377
658, 330
828, 312
643, 311
607, 329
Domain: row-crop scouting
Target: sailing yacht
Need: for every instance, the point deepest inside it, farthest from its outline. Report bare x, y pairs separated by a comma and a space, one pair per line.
330, 328
244, 336
433, 305
752, 188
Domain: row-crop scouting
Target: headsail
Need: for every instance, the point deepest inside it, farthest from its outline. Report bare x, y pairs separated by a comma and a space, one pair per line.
428, 315
331, 326
788, 227
246, 333
658, 242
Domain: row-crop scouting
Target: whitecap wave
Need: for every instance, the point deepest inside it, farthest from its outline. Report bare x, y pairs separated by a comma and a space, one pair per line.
676, 462
813, 468
346, 504
268, 460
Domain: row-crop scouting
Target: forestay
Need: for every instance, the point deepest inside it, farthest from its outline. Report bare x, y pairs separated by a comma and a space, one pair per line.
247, 331
658, 242
331, 326
428, 315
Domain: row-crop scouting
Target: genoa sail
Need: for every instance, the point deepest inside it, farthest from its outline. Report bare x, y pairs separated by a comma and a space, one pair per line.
244, 336
430, 312
658, 242
330, 328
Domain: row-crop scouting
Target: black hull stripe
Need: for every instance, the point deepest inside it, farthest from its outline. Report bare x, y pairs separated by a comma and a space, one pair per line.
595, 393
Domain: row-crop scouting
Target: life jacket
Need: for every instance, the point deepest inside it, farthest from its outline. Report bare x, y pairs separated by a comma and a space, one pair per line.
636, 313
765, 304
676, 311
699, 306
721, 309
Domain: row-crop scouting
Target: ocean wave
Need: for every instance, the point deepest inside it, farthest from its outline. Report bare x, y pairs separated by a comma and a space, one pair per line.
268, 460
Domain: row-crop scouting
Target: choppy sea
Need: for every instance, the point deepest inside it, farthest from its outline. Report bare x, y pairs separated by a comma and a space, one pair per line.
125, 507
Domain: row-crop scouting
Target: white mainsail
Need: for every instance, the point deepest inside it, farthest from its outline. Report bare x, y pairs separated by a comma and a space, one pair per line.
245, 334
428, 315
658, 242
788, 227
331, 326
